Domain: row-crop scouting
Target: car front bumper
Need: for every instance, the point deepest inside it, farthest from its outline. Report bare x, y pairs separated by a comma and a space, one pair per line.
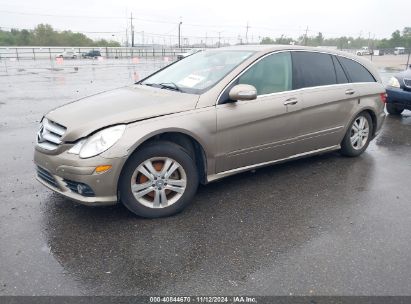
399, 96
63, 173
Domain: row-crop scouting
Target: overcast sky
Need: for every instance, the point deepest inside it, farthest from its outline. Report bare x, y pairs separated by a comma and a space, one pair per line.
210, 18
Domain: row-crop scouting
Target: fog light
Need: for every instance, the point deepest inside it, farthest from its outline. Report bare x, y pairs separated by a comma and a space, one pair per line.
81, 188
103, 168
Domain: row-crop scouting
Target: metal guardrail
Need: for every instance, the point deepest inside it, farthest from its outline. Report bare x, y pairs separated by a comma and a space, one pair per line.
34, 53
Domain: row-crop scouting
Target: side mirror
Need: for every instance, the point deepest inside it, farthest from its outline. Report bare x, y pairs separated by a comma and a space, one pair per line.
243, 92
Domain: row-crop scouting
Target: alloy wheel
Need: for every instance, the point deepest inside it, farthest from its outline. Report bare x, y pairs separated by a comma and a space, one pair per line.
158, 182
359, 133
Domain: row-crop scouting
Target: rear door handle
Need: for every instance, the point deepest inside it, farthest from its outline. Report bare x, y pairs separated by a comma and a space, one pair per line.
349, 92
291, 101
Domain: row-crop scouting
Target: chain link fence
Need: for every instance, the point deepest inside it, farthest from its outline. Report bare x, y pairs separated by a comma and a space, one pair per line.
35, 53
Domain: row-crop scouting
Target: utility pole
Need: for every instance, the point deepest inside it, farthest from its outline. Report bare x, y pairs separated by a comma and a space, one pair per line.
132, 30
179, 34
305, 36
126, 37
246, 33
369, 39
219, 38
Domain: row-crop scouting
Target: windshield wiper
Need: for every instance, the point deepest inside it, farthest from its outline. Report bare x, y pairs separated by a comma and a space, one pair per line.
164, 85
170, 85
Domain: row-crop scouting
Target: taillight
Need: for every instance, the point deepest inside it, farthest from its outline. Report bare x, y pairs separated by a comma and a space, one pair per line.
383, 97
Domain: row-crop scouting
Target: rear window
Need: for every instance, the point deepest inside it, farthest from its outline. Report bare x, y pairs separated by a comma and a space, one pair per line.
312, 69
356, 71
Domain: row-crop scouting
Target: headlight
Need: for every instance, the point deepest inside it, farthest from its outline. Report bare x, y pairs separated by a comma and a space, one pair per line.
393, 82
99, 142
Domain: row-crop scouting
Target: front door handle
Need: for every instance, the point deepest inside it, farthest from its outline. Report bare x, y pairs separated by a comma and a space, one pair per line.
349, 92
291, 101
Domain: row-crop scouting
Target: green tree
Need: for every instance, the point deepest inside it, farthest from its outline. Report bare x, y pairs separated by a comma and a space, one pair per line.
396, 38
406, 34
45, 35
319, 39
267, 40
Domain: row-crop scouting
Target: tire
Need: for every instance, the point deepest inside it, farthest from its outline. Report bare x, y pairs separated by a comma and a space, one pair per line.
392, 109
169, 194
353, 145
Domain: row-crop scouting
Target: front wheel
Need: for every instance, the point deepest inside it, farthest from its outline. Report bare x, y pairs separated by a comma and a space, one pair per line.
158, 180
358, 135
393, 109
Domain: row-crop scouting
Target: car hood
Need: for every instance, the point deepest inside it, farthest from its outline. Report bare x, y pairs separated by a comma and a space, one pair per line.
123, 105
404, 74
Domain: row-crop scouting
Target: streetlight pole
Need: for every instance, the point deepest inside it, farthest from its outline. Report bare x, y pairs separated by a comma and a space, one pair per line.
179, 34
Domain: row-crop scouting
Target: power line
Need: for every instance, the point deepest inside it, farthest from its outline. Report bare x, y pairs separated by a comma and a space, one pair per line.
140, 32
58, 30
148, 20
63, 16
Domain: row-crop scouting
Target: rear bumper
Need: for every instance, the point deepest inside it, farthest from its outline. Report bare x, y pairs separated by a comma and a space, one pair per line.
380, 122
399, 97
62, 173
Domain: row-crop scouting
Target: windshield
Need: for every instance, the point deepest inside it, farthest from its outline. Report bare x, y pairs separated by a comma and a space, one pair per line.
198, 72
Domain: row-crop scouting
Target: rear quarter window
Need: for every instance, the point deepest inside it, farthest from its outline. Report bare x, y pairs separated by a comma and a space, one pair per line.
341, 77
356, 71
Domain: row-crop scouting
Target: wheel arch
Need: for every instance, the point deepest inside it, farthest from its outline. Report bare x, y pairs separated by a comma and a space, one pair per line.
188, 141
371, 112
373, 119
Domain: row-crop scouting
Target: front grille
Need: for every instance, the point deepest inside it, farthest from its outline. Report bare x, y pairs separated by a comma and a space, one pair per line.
407, 83
47, 177
79, 188
50, 134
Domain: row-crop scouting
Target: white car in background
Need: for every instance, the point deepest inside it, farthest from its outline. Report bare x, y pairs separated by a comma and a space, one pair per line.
67, 54
399, 51
364, 51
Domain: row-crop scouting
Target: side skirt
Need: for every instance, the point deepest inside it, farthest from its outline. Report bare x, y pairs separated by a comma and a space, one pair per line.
214, 177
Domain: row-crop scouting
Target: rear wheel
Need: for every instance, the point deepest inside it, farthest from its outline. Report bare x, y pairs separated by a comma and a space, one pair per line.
358, 135
158, 180
394, 109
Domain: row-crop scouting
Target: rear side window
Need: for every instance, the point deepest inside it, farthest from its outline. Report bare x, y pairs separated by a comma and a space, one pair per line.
312, 69
356, 71
341, 77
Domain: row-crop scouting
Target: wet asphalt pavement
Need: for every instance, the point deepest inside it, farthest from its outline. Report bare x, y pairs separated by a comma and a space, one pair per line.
325, 225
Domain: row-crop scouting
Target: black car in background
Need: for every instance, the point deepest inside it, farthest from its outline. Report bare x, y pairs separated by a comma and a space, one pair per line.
91, 54
399, 93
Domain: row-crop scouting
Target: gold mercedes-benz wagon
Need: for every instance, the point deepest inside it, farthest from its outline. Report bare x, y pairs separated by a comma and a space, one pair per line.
205, 117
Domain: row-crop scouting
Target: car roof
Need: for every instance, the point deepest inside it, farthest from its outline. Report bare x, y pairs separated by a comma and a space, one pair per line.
266, 48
